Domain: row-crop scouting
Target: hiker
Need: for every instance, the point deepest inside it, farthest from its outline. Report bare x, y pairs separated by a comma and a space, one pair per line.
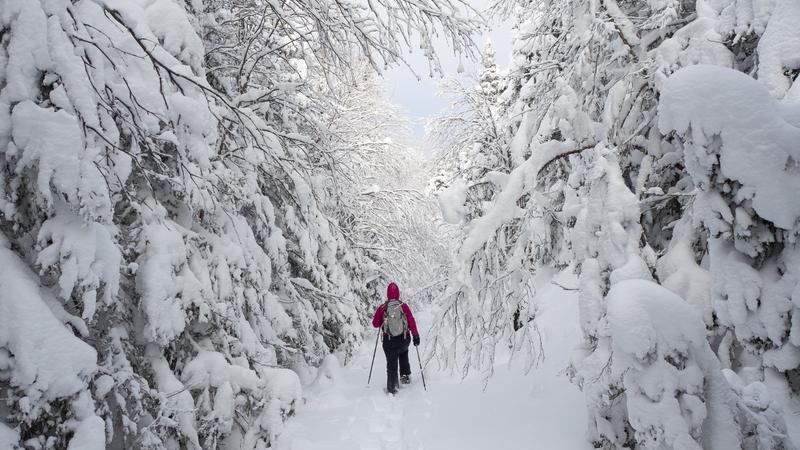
397, 329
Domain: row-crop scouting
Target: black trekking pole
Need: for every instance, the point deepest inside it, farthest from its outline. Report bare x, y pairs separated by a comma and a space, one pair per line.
420, 369
373, 355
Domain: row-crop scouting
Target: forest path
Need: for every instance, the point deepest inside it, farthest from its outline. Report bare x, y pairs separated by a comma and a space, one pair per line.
540, 410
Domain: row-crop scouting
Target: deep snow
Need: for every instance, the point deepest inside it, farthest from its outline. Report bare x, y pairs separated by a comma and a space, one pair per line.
538, 410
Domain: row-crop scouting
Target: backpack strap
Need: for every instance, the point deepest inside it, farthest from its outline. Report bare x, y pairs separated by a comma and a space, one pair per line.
383, 322
406, 331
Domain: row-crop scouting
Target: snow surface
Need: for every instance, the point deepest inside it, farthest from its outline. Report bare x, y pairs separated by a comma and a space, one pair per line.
541, 409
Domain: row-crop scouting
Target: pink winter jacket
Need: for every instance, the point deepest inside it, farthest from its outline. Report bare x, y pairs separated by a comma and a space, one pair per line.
377, 321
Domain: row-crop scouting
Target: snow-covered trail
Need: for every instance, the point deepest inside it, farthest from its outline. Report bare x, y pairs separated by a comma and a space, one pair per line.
540, 410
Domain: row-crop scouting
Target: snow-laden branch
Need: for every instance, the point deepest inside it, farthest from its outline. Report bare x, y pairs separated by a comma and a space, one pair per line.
505, 205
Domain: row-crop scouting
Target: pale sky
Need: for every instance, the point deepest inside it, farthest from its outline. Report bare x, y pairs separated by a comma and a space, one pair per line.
420, 99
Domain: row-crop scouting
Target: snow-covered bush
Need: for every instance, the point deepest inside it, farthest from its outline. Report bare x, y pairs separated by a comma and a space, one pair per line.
675, 392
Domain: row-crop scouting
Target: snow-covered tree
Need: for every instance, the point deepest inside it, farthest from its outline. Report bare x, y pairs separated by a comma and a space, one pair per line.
469, 140
383, 208
474, 166
165, 237
742, 162
605, 192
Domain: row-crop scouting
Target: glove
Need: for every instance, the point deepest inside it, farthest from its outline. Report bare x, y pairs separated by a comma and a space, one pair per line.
416, 341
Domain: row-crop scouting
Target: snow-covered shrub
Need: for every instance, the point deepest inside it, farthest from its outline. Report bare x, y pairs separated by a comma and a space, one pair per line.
676, 394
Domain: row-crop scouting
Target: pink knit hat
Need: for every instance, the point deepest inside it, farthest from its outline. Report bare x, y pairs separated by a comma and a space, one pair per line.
393, 292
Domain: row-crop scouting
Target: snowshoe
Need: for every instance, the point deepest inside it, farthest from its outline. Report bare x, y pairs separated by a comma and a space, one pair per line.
405, 379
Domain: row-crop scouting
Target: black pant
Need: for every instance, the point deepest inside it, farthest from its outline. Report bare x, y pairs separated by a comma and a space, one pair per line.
396, 350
